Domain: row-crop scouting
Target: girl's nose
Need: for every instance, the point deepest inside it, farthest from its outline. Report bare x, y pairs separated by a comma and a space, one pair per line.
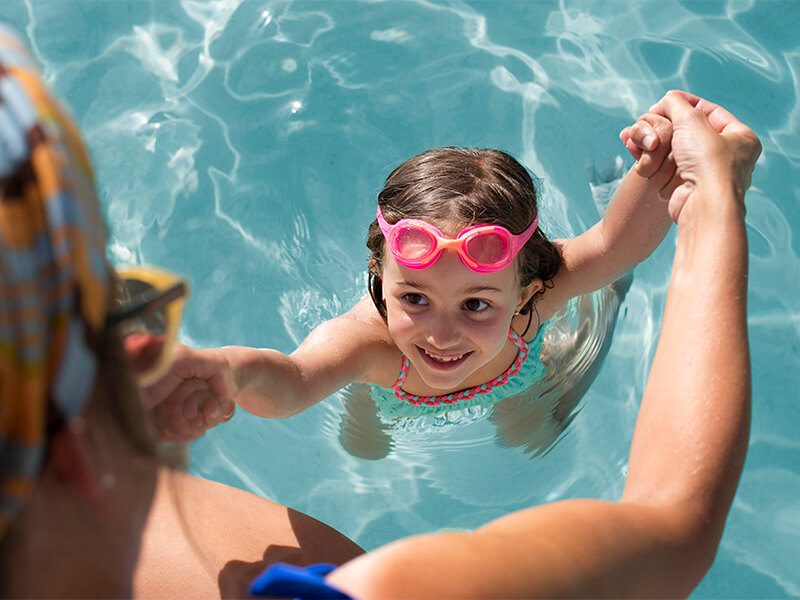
443, 333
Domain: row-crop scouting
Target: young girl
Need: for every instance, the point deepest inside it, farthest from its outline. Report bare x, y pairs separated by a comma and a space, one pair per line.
461, 279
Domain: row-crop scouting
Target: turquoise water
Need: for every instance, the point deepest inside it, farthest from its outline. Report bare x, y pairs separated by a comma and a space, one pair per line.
243, 144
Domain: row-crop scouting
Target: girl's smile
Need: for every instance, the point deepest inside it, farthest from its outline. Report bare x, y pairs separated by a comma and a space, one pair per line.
445, 362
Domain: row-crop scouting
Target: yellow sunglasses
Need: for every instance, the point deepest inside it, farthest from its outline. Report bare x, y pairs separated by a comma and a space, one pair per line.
149, 309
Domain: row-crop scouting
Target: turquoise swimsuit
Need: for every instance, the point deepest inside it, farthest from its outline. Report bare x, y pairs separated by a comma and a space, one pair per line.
525, 372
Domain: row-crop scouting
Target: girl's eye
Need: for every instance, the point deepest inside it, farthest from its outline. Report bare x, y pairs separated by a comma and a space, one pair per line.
415, 299
476, 305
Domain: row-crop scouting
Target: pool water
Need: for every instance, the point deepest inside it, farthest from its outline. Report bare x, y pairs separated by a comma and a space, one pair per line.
243, 144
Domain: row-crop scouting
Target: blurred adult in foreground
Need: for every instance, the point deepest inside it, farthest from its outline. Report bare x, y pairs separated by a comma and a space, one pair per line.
85, 500
80, 479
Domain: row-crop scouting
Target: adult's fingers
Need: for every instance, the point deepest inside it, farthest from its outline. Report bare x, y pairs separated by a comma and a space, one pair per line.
719, 118
671, 184
170, 422
692, 99
678, 106
187, 363
217, 410
190, 418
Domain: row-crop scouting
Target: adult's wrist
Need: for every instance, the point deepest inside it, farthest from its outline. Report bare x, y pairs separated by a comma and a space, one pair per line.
716, 200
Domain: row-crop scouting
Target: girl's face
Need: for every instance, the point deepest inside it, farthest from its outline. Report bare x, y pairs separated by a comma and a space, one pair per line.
448, 320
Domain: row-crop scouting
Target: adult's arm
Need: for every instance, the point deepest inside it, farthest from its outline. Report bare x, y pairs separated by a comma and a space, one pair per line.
208, 540
690, 437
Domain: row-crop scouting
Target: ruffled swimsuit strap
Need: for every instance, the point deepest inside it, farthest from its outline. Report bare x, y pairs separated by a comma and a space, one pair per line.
470, 393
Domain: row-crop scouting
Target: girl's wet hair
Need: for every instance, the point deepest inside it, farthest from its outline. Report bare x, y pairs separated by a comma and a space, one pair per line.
464, 187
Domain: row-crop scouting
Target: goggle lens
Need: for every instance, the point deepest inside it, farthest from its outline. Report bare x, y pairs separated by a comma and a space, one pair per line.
488, 249
413, 243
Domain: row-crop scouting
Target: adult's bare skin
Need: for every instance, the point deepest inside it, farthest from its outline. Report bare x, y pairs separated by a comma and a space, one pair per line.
690, 438
204, 539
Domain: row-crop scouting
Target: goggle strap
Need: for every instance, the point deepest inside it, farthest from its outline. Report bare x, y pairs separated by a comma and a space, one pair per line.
518, 241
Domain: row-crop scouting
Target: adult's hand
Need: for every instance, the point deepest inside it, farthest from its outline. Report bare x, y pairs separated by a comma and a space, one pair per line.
195, 395
710, 147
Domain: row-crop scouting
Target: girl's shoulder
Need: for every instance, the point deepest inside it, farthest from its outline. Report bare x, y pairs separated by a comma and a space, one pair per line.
364, 328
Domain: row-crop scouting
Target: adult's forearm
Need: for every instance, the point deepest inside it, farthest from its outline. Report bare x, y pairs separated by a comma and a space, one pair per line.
691, 435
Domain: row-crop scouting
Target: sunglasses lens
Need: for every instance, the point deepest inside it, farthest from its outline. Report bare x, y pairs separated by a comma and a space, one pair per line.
152, 320
413, 244
488, 248
145, 336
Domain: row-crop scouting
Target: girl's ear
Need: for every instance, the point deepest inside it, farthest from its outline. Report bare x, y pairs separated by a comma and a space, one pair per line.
73, 462
529, 291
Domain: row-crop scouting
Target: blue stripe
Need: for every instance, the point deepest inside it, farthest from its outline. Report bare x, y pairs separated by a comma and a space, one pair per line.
63, 210
16, 98
76, 372
10, 505
11, 58
20, 459
13, 147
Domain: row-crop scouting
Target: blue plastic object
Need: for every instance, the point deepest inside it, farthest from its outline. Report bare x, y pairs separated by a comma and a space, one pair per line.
281, 580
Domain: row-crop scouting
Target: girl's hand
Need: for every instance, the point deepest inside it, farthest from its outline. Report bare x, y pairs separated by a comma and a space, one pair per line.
709, 146
649, 141
195, 395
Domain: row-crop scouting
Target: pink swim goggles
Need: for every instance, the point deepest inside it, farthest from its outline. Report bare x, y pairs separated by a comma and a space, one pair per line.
416, 244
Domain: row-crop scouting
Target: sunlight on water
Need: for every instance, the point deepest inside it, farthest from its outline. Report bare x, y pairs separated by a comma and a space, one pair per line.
243, 144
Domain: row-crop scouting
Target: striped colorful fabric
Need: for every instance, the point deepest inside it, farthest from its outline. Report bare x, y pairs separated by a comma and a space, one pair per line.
54, 278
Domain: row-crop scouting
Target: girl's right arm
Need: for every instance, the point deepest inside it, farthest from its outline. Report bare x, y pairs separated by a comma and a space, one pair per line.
202, 386
338, 352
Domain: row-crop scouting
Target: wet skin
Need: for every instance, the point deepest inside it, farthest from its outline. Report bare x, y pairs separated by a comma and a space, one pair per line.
451, 322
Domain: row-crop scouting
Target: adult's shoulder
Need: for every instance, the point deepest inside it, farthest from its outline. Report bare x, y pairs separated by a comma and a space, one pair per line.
205, 539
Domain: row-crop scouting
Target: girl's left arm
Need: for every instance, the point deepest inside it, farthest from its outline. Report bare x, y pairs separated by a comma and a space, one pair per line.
634, 224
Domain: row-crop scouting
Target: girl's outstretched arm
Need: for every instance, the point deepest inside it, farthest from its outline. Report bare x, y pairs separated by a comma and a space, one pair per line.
202, 387
335, 354
689, 442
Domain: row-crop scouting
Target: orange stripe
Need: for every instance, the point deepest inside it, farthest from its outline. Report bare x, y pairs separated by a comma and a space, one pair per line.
47, 167
33, 86
10, 290
16, 486
58, 342
21, 221
23, 419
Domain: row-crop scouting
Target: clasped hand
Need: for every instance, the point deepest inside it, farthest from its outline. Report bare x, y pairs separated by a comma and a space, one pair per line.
684, 142
195, 395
